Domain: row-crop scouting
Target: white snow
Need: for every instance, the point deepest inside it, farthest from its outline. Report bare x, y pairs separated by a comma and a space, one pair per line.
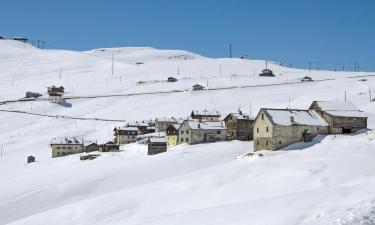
328, 181
288, 117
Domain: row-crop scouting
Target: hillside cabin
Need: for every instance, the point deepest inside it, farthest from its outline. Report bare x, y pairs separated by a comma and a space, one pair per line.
22, 39
109, 147
172, 79
277, 128
266, 73
66, 146
93, 147
172, 134
56, 98
30, 159
54, 89
161, 124
239, 126
205, 115
156, 146
125, 135
342, 117
196, 132
30, 94
197, 87
306, 79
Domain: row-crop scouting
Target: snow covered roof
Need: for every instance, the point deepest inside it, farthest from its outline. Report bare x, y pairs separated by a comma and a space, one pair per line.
66, 140
241, 116
206, 125
166, 119
162, 140
345, 109
287, 117
128, 128
205, 113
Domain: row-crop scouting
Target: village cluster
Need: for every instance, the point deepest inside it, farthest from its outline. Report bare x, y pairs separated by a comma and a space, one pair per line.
271, 129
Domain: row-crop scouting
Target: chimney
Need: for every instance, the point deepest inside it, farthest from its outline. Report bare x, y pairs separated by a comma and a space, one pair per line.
292, 119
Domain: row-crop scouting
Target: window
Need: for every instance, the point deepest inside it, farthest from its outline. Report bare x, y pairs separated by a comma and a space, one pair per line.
267, 129
63, 147
70, 148
182, 140
266, 142
58, 153
218, 132
182, 132
257, 129
257, 142
262, 116
317, 128
187, 139
58, 147
279, 142
187, 132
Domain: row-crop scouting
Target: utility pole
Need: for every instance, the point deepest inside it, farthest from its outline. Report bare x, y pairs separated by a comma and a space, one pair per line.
289, 102
266, 64
345, 95
113, 63
230, 50
178, 69
355, 67
369, 93
310, 66
251, 114
1, 151
220, 69
317, 65
60, 73
343, 68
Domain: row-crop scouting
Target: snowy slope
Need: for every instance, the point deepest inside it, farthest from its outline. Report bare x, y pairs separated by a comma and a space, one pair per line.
327, 182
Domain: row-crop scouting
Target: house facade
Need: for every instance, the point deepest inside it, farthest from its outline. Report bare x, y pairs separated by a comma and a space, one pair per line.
195, 132
56, 98
66, 146
161, 124
124, 135
172, 134
277, 128
342, 117
239, 126
205, 115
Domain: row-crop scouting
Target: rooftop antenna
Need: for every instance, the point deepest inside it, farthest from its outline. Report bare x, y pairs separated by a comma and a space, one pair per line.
178, 69
251, 114
220, 69
60, 73
345, 95
369, 92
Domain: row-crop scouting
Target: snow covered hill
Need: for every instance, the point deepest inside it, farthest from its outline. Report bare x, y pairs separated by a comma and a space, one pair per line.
328, 182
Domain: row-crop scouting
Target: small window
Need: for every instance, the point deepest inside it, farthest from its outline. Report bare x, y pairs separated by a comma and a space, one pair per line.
63, 147
58, 153
262, 116
70, 148
266, 142
187, 132
182, 132
317, 128
58, 147
267, 129
257, 142
187, 139
257, 129
279, 142
218, 132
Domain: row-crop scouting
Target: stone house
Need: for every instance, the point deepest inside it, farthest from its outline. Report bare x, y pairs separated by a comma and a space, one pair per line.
156, 146
142, 126
205, 115
162, 123
195, 132
124, 135
66, 146
239, 126
342, 117
277, 128
172, 134
56, 98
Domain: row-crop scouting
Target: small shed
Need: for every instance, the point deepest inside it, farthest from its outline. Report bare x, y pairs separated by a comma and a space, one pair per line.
197, 87
172, 79
93, 147
306, 79
109, 147
30, 94
30, 159
266, 73
156, 146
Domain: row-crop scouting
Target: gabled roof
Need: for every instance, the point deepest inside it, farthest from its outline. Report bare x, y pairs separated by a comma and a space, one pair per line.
66, 140
344, 109
128, 128
157, 140
287, 117
240, 116
205, 125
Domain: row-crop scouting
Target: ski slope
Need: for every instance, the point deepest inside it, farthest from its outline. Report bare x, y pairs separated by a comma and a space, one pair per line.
329, 181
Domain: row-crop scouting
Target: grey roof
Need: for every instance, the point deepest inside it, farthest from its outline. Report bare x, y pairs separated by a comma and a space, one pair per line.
344, 109
241, 116
287, 117
205, 125
67, 140
206, 113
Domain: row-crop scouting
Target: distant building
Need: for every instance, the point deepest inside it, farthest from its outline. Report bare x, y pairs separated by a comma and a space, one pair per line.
142, 126
266, 73
205, 115
306, 79
30, 94
124, 135
172, 79
197, 87
109, 147
54, 89
342, 117
2, 38
30, 159
195, 132
66, 146
22, 39
93, 147
156, 146
276, 128
239, 126
56, 98
172, 134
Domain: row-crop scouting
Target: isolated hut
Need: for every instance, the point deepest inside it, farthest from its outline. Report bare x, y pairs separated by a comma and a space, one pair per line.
266, 73
30, 159
197, 87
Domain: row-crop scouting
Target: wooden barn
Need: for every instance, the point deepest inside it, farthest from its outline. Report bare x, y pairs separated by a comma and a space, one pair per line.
239, 126
156, 146
277, 128
342, 117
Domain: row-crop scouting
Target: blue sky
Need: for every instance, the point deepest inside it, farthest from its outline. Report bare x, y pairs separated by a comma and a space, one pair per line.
335, 33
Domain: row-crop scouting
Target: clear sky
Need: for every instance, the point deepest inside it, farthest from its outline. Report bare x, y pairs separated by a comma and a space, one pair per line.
335, 33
